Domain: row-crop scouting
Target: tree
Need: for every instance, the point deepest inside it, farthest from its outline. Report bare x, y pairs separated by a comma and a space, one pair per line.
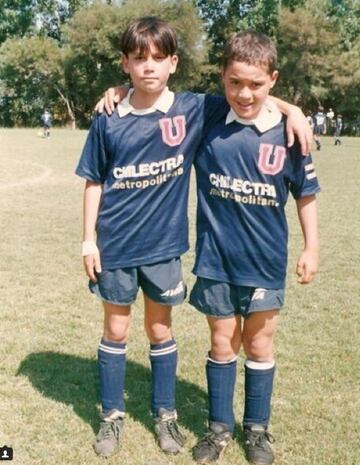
16, 17
70, 75
31, 73
346, 14
93, 37
306, 47
36, 17
51, 15
224, 17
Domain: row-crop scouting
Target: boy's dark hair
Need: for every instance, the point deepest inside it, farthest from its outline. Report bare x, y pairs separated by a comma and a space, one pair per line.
149, 29
252, 48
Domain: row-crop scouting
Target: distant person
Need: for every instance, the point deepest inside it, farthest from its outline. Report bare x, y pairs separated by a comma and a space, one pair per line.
46, 119
319, 126
338, 129
330, 122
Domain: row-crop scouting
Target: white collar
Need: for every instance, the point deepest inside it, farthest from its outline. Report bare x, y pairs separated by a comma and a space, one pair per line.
268, 117
163, 104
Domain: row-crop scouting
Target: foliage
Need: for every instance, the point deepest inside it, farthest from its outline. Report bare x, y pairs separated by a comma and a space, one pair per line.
305, 44
224, 17
30, 70
72, 49
314, 68
16, 16
94, 39
36, 17
346, 14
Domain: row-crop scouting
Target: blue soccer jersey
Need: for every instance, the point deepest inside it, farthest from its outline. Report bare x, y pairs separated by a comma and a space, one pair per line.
244, 175
144, 162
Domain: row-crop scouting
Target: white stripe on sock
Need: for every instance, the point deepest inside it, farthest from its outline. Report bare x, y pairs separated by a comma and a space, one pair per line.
112, 350
164, 351
222, 362
259, 365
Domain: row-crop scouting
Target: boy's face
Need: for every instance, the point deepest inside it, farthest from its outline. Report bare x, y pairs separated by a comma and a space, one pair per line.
247, 87
150, 71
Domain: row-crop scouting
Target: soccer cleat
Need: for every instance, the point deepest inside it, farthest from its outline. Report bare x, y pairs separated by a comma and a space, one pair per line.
210, 447
108, 437
257, 445
170, 439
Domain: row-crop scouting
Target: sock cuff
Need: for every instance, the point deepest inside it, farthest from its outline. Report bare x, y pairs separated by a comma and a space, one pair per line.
114, 348
253, 365
221, 362
166, 348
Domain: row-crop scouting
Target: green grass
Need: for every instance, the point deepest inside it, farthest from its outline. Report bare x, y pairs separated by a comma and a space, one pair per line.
50, 324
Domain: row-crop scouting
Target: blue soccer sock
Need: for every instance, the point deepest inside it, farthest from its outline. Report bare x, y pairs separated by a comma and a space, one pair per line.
221, 377
259, 377
163, 359
112, 363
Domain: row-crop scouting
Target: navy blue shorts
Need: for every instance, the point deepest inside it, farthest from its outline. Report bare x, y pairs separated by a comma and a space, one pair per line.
319, 130
224, 300
161, 282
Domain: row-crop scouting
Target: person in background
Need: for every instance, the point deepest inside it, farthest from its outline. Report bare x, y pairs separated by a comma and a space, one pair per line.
319, 126
46, 119
338, 129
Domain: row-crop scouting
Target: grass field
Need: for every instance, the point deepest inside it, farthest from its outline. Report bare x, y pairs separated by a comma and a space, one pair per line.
50, 325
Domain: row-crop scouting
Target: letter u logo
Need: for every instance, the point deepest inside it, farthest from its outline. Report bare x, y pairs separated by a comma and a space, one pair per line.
168, 135
271, 158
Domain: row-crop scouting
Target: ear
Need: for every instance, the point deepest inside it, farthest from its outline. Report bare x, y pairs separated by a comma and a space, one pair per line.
273, 78
125, 63
174, 59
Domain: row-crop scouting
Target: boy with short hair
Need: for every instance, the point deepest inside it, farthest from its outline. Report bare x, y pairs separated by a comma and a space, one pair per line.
137, 165
244, 174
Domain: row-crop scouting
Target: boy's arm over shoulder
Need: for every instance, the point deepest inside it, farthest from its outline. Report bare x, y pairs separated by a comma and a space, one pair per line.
296, 124
214, 108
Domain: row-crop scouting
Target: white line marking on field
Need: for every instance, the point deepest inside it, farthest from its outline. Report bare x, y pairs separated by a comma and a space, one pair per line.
30, 181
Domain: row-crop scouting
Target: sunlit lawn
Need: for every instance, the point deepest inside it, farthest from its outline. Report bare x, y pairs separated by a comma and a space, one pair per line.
50, 324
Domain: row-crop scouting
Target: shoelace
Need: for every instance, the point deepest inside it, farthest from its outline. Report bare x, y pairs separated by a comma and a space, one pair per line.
261, 439
171, 429
212, 440
108, 429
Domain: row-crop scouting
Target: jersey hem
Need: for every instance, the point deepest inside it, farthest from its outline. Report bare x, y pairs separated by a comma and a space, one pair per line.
143, 261
239, 281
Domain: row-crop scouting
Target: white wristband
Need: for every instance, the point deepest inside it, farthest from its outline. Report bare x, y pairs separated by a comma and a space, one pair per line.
89, 248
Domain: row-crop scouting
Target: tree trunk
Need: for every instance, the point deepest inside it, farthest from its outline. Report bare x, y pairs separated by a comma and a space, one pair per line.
69, 109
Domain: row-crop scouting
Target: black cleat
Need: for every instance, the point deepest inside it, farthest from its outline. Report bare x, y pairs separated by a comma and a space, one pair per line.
108, 437
210, 447
169, 437
257, 445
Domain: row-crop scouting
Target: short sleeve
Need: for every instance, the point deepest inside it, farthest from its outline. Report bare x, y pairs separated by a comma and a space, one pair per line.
304, 181
94, 160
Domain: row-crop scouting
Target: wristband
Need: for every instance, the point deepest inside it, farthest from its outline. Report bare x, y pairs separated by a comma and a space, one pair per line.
89, 248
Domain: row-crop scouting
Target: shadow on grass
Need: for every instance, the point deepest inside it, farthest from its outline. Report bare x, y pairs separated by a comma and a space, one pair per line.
73, 381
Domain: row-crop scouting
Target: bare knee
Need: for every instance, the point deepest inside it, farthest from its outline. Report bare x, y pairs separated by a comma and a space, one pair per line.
116, 323
259, 349
158, 333
224, 347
